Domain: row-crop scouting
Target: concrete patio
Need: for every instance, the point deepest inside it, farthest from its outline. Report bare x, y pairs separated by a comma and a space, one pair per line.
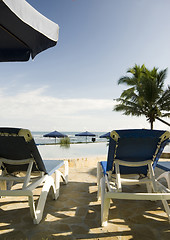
76, 213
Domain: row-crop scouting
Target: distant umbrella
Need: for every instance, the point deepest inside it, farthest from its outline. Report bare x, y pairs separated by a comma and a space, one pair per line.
55, 135
24, 31
85, 134
106, 135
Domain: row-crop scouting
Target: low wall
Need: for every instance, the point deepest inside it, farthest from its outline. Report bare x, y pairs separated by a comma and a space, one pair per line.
165, 155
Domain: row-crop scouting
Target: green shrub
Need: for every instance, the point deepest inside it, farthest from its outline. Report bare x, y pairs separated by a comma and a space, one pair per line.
65, 141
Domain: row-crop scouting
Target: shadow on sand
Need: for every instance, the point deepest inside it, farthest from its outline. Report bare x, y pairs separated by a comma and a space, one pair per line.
76, 215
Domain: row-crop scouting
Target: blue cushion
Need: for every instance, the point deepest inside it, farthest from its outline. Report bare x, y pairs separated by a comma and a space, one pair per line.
104, 165
134, 145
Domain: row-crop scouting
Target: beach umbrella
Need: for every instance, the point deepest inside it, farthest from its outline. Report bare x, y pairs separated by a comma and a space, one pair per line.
55, 135
85, 134
106, 135
24, 32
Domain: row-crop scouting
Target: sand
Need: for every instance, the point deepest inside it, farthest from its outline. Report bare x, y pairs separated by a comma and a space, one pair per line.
76, 213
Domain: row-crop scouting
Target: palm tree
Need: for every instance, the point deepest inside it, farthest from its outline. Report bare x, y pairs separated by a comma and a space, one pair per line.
146, 95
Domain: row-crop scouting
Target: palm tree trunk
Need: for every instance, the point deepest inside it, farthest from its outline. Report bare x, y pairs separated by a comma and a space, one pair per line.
151, 125
163, 121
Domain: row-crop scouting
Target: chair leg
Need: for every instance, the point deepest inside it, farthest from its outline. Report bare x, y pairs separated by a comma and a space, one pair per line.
152, 177
99, 176
166, 175
105, 203
42, 199
118, 179
32, 207
57, 183
66, 171
166, 207
65, 175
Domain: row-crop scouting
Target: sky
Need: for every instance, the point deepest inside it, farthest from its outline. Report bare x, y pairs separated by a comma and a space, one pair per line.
72, 86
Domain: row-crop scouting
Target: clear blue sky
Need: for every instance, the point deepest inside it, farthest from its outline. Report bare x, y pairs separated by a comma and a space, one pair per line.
71, 86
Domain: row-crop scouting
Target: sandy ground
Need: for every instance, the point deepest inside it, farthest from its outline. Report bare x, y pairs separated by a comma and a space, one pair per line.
76, 213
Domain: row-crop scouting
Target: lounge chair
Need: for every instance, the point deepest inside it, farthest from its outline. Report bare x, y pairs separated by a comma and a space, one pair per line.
132, 157
21, 162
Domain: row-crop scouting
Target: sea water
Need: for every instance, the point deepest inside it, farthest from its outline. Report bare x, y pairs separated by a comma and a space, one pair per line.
86, 148
74, 151
80, 147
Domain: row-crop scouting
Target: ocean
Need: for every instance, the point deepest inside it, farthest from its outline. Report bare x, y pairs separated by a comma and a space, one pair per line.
79, 150
85, 149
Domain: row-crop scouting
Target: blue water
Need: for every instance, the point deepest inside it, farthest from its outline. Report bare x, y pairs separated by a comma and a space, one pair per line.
83, 150
74, 151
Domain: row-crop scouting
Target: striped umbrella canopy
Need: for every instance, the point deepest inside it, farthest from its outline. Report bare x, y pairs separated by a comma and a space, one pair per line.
24, 32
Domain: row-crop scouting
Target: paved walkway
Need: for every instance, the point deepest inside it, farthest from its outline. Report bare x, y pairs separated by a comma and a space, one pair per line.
76, 214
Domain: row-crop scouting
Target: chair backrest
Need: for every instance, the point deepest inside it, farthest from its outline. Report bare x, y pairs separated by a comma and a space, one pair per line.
135, 145
18, 144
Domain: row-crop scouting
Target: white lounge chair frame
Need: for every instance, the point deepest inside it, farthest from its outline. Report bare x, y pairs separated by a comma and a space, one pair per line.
20, 162
29, 184
110, 187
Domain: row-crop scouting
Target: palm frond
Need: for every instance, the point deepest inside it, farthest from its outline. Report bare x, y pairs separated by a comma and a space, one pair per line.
146, 94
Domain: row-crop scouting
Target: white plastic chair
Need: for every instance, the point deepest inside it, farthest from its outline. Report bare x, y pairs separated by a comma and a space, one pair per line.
131, 157
19, 154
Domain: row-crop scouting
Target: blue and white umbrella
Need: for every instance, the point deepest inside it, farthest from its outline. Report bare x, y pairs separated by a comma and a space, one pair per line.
24, 32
